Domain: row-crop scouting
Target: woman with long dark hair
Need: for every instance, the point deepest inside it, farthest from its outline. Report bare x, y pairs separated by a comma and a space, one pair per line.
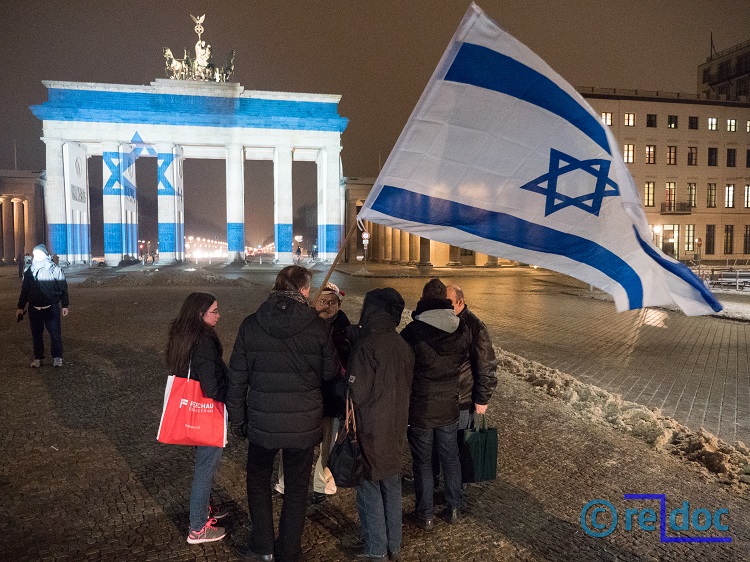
194, 347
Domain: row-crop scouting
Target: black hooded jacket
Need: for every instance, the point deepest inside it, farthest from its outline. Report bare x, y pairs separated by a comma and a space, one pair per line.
441, 345
381, 366
282, 355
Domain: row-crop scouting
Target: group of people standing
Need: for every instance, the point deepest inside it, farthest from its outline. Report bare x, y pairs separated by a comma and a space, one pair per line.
291, 368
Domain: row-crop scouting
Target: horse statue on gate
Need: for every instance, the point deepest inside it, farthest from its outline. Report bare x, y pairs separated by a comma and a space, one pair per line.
222, 73
177, 69
200, 67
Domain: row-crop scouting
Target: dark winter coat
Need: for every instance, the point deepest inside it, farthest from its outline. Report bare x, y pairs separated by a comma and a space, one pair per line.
282, 354
477, 378
381, 367
334, 391
441, 345
208, 367
43, 284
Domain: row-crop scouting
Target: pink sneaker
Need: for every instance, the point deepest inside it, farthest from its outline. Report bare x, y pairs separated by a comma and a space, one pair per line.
208, 533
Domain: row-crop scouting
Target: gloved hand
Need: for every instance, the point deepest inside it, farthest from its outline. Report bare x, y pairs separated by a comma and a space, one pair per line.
238, 431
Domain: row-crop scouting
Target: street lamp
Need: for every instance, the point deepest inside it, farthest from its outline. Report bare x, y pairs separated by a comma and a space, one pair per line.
698, 244
657, 232
365, 242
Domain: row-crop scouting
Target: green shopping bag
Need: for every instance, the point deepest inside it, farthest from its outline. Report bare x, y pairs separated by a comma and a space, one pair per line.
477, 448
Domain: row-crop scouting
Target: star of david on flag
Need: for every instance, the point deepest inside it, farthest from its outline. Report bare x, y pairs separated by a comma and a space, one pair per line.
504, 157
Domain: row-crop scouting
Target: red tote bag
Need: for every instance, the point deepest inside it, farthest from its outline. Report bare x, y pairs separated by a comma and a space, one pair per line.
189, 418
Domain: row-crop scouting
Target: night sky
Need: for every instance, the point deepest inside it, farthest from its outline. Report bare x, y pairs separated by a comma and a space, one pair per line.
378, 55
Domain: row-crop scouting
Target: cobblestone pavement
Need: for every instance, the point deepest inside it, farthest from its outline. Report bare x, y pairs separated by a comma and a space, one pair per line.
84, 479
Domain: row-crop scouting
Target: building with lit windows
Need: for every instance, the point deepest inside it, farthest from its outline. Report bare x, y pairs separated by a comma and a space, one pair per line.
689, 156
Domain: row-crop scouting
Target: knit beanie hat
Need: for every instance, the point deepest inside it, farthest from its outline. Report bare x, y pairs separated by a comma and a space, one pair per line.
332, 289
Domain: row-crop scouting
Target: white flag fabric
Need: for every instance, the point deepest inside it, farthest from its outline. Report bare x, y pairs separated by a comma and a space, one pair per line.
503, 156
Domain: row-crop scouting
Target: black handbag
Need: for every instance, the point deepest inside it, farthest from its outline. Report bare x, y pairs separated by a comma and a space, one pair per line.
477, 447
345, 460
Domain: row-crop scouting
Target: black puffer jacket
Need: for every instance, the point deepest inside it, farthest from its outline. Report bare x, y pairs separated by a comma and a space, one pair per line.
441, 345
477, 380
381, 367
334, 391
281, 356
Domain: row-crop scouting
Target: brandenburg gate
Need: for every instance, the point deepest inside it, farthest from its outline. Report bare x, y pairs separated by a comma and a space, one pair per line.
195, 113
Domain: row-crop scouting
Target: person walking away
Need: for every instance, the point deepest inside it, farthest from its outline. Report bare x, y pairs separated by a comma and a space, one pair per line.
194, 348
381, 367
477, 377
441, 344
45, 290
282, 355
21, 265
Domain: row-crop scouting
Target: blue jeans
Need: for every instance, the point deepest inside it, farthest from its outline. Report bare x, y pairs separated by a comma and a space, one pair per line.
206, 463
49, 318
420, 442
379, 508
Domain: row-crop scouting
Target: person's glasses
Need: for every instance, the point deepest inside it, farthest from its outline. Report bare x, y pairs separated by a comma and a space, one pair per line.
327, 304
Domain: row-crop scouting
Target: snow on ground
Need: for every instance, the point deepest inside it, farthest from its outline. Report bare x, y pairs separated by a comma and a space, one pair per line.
594, 404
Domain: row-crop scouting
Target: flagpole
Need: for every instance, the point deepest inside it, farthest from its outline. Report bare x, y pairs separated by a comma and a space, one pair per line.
349, 234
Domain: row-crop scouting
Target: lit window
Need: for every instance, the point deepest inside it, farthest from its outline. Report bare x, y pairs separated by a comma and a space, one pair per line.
747, 197
607, 118
692, 194
748, 125
712, 123
627, 155
670, 202
690, 238
671, 121
650, 154
651, 120
731, 125
692, 156
671, 155
711, 196
729, 196
648, 194
629, 121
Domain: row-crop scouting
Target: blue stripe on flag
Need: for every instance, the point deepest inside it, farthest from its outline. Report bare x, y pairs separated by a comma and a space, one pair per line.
510, 230
479, 66
681, 271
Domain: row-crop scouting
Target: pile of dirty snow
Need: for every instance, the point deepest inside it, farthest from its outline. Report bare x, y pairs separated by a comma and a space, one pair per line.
589, 402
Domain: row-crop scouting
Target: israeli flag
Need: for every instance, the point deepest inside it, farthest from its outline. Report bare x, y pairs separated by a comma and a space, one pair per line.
504, 157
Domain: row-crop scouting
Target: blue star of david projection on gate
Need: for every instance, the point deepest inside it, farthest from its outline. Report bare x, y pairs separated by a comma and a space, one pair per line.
590, 202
